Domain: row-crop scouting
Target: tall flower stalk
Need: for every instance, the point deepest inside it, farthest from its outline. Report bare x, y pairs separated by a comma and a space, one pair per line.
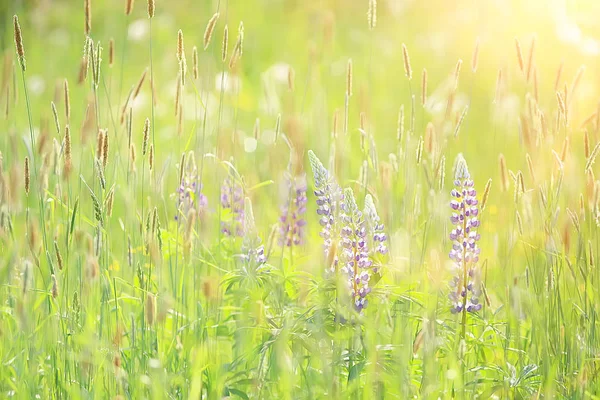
362, 243
355, 261
291, 222
465, 285
359, 235
329, 198
375, 232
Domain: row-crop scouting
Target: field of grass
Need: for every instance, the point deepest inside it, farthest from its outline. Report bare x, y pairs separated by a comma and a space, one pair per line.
299, 199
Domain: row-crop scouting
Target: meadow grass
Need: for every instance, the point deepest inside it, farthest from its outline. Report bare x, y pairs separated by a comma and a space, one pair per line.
289, 210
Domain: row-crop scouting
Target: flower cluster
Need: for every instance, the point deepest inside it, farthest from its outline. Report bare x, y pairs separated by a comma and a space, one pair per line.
465, 284
232, 202
189, 194
291, 222
354, 240
354, 258
362, 239
329, 198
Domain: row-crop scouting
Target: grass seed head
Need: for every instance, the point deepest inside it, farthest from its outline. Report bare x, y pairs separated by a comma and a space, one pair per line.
498, 86
519, 223
530, 59
210, 27
225, 43
151, 157
530, 167
128, 7
407, 67
27, 176
54, 287
132, 157
558, 75
88, 17
59, 258
19, 43
504, 182
372, 14
400, 127
349, 78
111, 52
195, 62
419, 151
100, 144
105, 149
519, 55
67, 149
241, 37
586, 144
67, 101
180, 48
441, 173
55, 115
457, 72
475, 59
565, 150
109, 202
291, 75
151, 9
486, 194
592, 157
430, 138
139, 84
145, 134
181, 168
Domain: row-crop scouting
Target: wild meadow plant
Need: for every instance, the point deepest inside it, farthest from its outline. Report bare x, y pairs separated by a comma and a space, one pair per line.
329, 199
353, 240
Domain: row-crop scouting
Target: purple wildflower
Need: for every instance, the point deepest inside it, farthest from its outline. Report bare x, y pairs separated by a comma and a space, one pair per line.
189, 193
232, 202
362, 239
329, 198
359, 237
465, 284
355, 261
292, 222
375, 231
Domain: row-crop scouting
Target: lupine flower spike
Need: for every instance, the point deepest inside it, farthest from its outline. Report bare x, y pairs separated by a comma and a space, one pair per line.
292, 222
232, 203
355, 262
329, 197
375, 232
465, 285
362, 238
